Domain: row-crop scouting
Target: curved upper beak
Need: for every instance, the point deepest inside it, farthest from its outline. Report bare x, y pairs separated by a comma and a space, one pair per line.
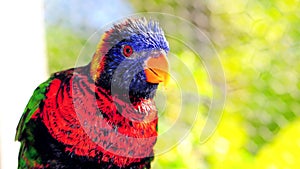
157, 67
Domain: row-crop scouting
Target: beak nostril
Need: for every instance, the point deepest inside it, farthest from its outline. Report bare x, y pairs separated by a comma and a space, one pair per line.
158, 53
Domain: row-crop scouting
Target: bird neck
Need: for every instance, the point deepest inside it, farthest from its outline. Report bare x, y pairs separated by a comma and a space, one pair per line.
95, 67
138, 109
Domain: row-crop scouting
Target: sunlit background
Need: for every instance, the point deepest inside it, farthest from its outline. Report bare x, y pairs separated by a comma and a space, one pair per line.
258, 45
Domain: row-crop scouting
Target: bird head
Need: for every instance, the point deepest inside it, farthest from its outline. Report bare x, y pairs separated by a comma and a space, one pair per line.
131, 58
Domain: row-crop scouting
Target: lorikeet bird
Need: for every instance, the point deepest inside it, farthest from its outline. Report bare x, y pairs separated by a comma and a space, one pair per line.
101, 115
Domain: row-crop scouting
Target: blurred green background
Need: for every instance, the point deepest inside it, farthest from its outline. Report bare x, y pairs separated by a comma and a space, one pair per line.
258, 44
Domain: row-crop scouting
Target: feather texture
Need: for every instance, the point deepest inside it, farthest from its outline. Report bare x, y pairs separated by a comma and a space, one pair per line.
101, 115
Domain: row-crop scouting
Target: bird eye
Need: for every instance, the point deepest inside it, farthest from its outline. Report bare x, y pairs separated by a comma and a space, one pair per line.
127, 50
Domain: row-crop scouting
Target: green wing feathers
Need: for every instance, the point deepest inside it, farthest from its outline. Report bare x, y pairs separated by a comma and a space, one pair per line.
32, 106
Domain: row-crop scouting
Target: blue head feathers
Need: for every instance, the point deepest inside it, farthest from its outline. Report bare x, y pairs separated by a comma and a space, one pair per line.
124, 49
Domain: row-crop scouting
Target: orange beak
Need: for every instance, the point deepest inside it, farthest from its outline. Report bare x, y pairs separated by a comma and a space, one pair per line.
157, 68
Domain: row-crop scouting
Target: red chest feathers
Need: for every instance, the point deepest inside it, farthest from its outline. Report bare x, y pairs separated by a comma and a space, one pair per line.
90, 122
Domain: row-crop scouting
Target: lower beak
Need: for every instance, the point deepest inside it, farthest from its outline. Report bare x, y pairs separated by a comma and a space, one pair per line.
157, 68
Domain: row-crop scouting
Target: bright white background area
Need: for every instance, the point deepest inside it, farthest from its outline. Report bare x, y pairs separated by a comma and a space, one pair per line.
22, 67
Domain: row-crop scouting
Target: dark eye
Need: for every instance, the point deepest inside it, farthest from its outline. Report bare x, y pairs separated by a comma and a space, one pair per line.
127, 50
